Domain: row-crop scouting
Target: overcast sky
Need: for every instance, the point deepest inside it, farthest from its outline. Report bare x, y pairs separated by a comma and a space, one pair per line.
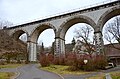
22, 11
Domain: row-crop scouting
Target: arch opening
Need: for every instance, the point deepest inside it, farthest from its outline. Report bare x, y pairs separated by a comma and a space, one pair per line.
42, 38
111, 38
78, 32
70, 22
46, 37
107, 16
111, 30
23, 37
77, 21
20, 34
45, 42
35, 35
20, 43
71, 32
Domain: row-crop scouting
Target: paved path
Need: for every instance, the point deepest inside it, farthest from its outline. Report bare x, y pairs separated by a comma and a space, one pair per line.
92, 74
80, 76
32, 72
8, 70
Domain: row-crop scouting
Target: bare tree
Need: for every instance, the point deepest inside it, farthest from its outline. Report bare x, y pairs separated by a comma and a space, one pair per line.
84, 33
112, 32
4, 23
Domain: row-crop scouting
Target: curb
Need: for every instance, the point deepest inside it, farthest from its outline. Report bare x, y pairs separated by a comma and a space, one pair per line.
59, 75
16, 74
50, 72
54, 73
107, 76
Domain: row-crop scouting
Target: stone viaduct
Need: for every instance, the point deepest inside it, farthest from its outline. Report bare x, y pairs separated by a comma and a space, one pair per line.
95, 16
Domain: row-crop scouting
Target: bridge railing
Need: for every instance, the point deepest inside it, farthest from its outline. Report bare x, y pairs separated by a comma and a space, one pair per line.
69, 11
81, 8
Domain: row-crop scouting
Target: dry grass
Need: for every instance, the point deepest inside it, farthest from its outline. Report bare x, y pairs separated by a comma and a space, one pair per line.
99, 76
60, 69
6, 75
115, 75
10, 65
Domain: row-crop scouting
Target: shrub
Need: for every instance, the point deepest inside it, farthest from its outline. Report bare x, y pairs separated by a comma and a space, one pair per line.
71, 59
80, 63
56, 61
100, 62
74, 62
2, 62
44, 60
61, 61
89, 66
77, 62
50, 58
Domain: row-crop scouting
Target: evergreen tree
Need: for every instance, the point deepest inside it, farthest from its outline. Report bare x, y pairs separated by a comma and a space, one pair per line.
73, 41
52, 48
42, 48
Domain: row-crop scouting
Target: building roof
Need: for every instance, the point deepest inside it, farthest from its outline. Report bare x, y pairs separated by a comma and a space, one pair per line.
111, 51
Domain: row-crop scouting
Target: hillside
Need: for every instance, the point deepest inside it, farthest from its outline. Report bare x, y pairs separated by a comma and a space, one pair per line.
8, 44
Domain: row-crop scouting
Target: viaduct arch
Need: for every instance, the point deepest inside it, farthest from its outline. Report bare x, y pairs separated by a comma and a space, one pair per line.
95, 16
108, 15
32, 39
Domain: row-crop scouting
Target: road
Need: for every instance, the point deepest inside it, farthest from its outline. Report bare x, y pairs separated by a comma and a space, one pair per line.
91, 74
32, 72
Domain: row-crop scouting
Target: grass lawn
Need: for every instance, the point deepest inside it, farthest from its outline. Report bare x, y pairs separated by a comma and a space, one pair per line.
59, 69
99, 76
115, 75
5, 75
10, 65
